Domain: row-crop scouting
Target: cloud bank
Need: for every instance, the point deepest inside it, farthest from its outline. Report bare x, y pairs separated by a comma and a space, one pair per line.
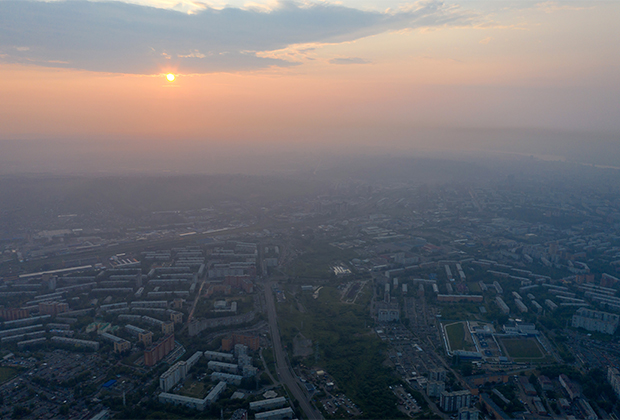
117, 37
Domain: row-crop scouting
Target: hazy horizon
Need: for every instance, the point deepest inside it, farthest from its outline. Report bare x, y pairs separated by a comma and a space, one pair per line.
84, 87
143, 156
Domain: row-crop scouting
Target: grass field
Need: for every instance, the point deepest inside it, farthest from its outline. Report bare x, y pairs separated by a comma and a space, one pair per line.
522, 348
456, 336
7, 373
194, 389
473, 287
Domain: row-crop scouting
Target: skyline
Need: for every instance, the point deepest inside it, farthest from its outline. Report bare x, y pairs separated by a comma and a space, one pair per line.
361, 77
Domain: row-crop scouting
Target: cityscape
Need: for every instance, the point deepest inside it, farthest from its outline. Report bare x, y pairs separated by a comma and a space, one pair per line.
466, 299
309, 209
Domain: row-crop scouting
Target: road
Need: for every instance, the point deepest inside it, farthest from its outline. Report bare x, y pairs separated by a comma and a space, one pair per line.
191, 313
282, 367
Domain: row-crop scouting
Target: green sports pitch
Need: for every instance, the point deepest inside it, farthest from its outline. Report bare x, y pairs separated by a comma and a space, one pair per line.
522, 348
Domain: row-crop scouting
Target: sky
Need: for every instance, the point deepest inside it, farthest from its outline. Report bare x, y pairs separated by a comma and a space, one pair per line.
85, 80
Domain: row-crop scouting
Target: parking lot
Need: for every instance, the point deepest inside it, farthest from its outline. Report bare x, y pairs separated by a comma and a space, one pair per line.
406, 403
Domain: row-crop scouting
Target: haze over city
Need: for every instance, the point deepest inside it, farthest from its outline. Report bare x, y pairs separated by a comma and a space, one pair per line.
87, 79
309, 209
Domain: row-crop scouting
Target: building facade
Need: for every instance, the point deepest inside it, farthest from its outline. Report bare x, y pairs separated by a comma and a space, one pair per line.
452, 401
590, 320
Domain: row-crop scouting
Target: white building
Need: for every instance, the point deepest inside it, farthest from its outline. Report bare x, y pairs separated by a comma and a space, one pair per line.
220, 357
502, 305
223, 367
452, 401
177, 372
604, 322
196, 403
227, 377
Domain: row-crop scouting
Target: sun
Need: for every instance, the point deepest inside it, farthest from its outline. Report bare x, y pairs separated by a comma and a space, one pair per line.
170, 77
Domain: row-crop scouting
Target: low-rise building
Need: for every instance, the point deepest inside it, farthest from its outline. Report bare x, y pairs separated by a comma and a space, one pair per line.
545, 383
268, 404
227, 377
388, 312
502, 305
215, 393
281, 413
195, 403
223, 367
493, 408
251, 341
219, 356
75, 342
569, 386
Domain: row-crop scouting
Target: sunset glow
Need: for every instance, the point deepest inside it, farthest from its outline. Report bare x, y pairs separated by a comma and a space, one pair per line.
337, 73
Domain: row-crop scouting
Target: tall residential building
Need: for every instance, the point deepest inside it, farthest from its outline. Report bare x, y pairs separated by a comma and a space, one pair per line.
159, 350
11, 314
467, 413
177, 372
452, 401
167, 328
52, 308
437, 374
435, 388
613, 377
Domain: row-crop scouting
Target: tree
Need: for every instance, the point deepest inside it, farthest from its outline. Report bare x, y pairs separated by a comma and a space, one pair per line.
20, 411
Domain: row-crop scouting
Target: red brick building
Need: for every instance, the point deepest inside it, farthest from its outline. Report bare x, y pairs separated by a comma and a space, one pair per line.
240, 282
52, 308
159, 350
11, 314
252, 342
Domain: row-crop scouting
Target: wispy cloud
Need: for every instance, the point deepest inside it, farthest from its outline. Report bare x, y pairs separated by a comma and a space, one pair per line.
555, 6
349, 60
132, 38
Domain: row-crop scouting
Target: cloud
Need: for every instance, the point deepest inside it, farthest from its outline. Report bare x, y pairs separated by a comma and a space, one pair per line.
118, 37
349, 60
554, 6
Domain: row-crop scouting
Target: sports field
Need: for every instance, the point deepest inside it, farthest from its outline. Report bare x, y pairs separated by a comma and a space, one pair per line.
456, 335
522, 348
